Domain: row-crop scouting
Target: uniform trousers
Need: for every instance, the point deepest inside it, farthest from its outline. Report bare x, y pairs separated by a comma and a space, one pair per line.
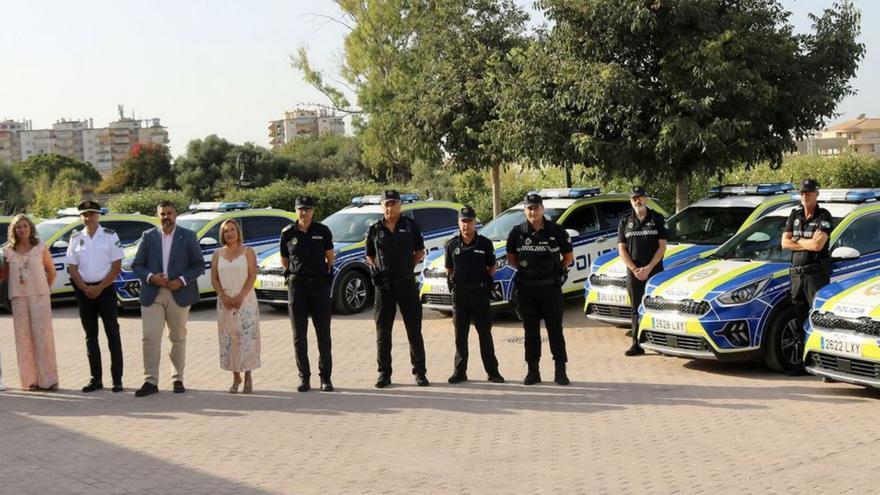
90, 310
805, 283
537, 302
404, 293
635, 288
473, 305
311, 298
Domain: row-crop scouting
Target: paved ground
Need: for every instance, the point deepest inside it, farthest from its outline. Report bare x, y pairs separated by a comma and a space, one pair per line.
625, 425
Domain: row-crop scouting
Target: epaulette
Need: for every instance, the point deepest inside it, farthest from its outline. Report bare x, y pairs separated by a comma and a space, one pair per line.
285, 229
108, 231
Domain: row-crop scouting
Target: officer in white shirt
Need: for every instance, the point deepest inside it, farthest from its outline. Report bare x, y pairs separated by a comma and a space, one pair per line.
94, 259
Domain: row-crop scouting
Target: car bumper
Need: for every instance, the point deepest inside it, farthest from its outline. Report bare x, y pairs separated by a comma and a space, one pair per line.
688, 336
858, 368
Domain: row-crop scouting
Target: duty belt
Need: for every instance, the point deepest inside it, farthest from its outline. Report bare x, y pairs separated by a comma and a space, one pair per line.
543, 281
465, 287
811, 268
300, 278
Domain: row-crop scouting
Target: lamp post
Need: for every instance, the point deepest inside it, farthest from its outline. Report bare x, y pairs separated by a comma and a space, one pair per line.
244, 179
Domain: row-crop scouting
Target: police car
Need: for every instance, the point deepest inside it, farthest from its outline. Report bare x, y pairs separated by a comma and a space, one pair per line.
591, 219
735, 304
843, 332
261, 230
693, 232
352, 289
55, 234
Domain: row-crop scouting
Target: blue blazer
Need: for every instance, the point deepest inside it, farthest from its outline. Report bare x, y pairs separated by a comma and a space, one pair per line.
186, 260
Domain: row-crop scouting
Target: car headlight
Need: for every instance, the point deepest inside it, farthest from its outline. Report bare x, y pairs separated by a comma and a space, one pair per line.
126, 267
743, 294
500, 262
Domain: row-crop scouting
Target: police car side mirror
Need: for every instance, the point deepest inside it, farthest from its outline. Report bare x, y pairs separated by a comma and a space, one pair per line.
572, 232
208, 241
845, 253
60, 245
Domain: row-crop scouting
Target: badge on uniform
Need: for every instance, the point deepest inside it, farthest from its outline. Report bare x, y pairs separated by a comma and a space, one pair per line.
826, 224
294, 241
457, 251
797, 221
629, 225
528, 240
81, 242
524, 263
381, 233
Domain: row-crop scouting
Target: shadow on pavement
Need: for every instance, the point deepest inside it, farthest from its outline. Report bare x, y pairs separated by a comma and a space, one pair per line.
49, 459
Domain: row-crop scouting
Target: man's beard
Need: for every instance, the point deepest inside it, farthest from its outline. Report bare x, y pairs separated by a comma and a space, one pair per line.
166, 222
640, 209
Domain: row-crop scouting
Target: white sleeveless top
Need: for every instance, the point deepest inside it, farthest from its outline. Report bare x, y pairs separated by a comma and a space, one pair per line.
233, 274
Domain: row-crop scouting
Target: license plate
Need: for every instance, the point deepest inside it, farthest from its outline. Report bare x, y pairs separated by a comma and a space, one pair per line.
842, 344
669, 325
271, 282
617, 298
439, 287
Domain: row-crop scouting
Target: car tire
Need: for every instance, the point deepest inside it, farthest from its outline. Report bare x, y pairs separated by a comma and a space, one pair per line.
353, 292
784, 343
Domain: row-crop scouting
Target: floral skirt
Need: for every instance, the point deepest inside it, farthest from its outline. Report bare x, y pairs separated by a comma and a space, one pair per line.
34, 341
239, 335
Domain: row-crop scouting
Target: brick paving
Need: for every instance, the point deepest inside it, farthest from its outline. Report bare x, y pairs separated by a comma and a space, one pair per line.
625, 425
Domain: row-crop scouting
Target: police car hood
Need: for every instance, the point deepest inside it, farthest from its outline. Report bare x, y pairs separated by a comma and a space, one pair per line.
855, 297
708, 278
611, 265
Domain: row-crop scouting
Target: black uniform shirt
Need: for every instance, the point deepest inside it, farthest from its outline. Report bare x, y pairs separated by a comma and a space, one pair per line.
306, 250
394, 250
642, 238
470, 261
801, 228
538, 250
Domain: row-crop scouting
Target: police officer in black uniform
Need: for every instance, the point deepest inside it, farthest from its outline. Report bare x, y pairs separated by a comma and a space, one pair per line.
470, 267
307, 258
541, 252
394, 247
641, 244
807, 235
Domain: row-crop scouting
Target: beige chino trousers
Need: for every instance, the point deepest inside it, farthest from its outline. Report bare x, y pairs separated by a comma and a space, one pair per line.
164, 311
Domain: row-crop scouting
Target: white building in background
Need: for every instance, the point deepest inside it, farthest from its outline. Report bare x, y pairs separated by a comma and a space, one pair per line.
304, 123
861, 135
103, 147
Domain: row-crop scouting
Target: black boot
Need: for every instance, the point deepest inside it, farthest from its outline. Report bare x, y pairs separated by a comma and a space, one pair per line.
534, 374
560, 377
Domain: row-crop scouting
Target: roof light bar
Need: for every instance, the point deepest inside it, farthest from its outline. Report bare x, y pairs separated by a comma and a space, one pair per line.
570, 192
860, 195
74, 212
376, 199
219, 206
767, 189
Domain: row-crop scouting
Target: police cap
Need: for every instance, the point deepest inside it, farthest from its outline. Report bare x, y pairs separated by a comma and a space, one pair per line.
89, 206
534, 199
467, 212
637, 191
809, 185
390, 195
305, 202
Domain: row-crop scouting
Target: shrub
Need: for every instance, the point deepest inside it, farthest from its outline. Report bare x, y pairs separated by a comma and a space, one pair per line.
145, 201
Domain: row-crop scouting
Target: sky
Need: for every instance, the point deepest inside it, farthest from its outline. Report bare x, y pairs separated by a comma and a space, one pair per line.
218, 67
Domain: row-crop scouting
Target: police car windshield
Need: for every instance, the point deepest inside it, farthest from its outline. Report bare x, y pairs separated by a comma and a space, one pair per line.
500, 226
760, 241
47, 229
706, 225
350, 227
192, 223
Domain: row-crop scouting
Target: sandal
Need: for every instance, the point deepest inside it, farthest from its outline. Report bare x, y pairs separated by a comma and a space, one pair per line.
234, 388
248, 386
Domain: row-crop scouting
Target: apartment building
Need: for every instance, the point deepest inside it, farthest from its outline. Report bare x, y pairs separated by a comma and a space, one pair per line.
304, 123
861, 135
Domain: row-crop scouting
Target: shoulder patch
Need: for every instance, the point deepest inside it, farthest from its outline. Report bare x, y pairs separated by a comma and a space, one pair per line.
289, 226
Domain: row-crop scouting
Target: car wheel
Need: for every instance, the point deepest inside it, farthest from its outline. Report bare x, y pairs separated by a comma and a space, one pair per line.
784, 343
353, 292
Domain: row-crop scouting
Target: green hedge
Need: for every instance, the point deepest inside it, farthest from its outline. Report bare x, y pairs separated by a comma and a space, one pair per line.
843, 171
145, 201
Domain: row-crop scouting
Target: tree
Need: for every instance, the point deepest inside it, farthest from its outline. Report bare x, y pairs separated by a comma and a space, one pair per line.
212, 166
12, 194
325, 156
50, 165
427, 77
664, 89
147, 166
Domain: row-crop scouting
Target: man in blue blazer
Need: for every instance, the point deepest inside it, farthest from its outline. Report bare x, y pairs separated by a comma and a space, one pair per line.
168, 263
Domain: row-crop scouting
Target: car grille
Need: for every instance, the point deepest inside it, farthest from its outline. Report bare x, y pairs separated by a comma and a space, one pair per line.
856, 367
609, 311
606, 281
439, 299
687, 306
271, 270
270, 295
863, 325
435, 273
689, 342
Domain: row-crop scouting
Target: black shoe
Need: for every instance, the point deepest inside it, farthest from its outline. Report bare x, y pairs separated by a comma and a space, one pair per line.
117, 387
92, 386
178, 387
533, 376
457, 378
383, 381
635, 350
496, 378
146, 389
560, 377
422, 380
326, 385
304, 385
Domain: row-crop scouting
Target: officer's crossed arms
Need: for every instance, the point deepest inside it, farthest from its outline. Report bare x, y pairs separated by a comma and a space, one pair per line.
795, 240
535, 217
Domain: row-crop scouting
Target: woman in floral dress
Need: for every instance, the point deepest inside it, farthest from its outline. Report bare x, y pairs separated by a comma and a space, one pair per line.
30, 273
233, 271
